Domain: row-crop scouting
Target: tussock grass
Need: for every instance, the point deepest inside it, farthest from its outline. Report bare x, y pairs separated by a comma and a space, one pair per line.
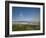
24, 27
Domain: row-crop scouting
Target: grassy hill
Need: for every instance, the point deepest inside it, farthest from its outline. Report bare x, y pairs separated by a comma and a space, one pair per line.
24, 27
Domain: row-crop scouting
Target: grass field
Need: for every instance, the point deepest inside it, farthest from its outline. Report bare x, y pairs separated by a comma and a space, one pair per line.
24, 27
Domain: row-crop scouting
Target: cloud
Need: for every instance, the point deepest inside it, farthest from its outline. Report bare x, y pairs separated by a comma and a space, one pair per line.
24, 19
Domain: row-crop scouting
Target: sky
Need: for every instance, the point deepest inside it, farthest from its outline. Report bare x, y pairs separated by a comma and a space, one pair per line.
26, 14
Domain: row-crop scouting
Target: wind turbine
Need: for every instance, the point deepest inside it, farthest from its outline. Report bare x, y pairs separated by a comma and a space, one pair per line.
21, 16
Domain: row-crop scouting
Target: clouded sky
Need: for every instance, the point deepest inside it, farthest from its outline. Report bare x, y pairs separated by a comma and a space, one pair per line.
25, 14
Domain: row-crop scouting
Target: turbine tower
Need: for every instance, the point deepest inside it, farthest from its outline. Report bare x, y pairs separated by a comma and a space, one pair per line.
21, 16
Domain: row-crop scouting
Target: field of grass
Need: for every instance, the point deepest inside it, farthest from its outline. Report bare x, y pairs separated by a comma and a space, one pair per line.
24, 27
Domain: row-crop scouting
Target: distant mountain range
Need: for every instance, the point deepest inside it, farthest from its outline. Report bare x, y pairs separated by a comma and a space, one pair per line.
25, 22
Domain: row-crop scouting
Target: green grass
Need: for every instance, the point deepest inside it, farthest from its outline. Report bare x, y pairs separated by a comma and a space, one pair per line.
23, 27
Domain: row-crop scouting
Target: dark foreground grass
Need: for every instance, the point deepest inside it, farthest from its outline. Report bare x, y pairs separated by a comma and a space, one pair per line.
24, 27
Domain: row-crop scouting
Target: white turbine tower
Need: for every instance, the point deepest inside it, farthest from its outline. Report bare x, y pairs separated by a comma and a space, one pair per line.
21, 18
21, 14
